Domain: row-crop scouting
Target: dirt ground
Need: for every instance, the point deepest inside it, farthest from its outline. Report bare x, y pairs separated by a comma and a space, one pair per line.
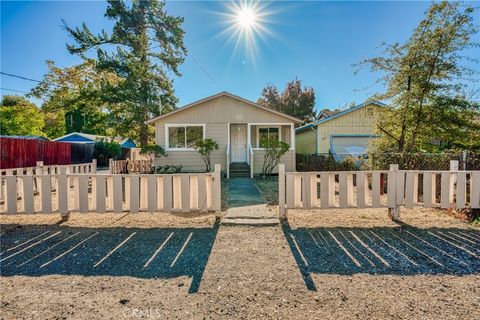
331, 264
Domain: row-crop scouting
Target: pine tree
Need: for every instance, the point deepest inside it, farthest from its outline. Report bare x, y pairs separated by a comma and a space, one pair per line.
147, 42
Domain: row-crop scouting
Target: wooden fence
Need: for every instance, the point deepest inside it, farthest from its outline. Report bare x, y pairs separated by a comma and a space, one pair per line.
112, 193
362, 189
130, 166
52, 169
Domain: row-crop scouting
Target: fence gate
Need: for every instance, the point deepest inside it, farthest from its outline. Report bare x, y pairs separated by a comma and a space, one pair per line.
379, 189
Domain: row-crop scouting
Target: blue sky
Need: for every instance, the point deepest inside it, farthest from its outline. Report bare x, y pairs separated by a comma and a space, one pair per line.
315, 41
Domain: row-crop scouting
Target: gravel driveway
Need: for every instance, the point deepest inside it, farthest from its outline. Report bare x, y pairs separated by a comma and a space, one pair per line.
322, 264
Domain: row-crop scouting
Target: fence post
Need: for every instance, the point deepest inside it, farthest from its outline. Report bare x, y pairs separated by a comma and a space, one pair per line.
110, 165
453, 179
393, 208
217, 190
281, 192
94, 166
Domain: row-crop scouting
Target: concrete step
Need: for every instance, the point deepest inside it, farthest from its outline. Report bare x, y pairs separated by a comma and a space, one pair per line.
250, 222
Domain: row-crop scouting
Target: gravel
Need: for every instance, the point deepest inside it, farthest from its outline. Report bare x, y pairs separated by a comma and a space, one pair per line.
427, 267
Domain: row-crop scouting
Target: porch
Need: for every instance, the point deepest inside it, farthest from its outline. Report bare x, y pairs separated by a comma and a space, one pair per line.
245, 152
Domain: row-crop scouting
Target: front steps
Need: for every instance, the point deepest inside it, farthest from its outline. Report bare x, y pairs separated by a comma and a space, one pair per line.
239, 170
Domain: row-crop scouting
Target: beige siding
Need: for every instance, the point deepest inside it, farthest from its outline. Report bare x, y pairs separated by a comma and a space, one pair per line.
215, 114
354, 122
305, 142
288, 159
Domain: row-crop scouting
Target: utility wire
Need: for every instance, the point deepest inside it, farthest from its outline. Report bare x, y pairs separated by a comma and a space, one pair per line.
19, 77
205, 72
13, 90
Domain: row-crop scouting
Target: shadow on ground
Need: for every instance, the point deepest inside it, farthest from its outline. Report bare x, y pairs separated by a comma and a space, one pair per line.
403, 250
136, 252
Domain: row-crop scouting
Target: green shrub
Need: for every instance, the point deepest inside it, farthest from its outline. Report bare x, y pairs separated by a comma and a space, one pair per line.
168, 169
153, 149
105, 150
274, 150
205, 148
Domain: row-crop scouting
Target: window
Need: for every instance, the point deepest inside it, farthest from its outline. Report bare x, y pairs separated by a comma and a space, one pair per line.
369, 112
267, 134
184, 136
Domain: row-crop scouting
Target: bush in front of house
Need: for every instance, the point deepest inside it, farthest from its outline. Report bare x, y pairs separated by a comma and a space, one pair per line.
205, 148
105, 150
327, 162
274, 150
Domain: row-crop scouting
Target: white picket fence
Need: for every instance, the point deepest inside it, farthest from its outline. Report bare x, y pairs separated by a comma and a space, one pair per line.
308, 190
52, 169
112, 193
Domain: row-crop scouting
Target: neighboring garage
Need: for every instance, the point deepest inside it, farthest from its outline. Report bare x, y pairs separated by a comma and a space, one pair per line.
350, 144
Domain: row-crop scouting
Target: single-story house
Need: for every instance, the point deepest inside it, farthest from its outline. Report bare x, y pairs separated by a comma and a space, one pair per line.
236, 124
345, 132
79, 137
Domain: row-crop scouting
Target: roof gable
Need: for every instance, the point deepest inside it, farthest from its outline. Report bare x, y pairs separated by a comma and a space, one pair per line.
340, 114
222, 94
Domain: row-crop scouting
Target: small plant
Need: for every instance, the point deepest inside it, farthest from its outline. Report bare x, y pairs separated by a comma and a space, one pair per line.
274, 150
105, 150
205, 148
168, 169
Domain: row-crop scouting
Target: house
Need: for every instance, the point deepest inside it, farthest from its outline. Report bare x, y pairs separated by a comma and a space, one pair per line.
79, 137
345, 132
236, 124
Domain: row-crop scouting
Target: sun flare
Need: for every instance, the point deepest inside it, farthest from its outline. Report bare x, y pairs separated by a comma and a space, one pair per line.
246, 23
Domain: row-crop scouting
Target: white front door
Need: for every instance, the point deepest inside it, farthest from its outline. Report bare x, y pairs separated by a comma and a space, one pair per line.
238, 143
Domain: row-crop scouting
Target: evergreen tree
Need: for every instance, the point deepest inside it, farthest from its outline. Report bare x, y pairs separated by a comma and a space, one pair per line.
147, 42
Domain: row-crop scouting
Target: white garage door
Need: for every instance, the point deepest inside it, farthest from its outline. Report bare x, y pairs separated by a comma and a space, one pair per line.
350, 144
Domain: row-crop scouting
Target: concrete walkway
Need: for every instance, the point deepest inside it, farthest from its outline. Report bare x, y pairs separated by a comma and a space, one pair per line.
247, 205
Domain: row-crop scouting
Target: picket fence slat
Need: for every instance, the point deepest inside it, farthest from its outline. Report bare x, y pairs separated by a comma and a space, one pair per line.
445, 190
475, 191
134, 193
46, 194
117, 194
28, 195
100, 196
185, 193
151, 191
461, 190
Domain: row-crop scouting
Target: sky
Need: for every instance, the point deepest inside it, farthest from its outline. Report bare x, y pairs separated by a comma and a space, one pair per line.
316, 42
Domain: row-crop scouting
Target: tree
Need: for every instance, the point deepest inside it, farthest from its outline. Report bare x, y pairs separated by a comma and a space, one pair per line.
146, 42
18, 116
74, 99
106, 150
205, 147
274, 150
294, 100
426, 80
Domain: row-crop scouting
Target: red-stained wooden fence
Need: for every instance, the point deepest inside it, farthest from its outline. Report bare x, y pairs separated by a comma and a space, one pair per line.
18, 153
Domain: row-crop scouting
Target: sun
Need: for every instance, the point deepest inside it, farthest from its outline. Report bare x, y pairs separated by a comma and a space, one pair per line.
246, 18
245, 23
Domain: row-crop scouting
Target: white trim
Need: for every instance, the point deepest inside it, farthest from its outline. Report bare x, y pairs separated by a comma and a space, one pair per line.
267, 127
180, 125
274, 124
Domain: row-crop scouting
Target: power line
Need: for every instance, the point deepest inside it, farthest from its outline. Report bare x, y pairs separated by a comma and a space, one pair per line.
13, 90
19, 77
205, 72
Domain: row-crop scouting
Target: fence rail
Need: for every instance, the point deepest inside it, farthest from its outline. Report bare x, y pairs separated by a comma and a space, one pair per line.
130, 166
112, 193
363, 189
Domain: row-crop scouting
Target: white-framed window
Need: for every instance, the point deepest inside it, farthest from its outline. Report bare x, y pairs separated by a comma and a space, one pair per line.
183, 136
267, 133
369, 112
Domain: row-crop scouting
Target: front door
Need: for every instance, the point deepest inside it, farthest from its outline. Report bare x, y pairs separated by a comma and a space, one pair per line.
238, 137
